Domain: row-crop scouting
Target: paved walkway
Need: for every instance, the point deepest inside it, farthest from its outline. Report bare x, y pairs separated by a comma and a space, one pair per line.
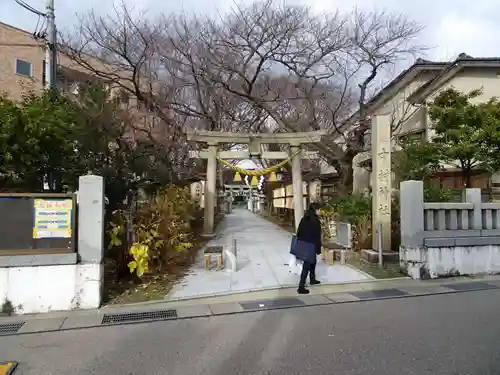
263, 255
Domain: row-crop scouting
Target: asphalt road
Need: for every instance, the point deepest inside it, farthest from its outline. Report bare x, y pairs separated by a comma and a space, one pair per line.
457, 334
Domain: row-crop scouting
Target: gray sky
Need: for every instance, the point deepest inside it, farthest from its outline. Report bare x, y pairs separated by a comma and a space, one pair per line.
452, 26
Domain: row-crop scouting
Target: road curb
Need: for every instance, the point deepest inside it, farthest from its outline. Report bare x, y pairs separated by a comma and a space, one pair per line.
283, 288
168, 312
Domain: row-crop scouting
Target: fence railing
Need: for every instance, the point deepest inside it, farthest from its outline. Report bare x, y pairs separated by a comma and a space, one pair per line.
442, 223
447, 216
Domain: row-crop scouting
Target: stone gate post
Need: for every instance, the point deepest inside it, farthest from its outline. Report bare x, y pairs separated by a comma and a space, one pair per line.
91, 219
381, 180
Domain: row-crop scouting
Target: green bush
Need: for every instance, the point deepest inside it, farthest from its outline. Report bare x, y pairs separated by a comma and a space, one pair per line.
433, 193
351, 207
357, 209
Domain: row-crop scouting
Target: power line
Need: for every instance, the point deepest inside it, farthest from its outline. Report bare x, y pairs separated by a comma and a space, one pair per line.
30, 8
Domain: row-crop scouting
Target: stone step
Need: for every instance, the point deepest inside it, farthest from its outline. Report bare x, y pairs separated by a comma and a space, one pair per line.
371, 256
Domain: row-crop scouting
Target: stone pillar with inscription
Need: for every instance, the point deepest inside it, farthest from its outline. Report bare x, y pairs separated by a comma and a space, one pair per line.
381, 180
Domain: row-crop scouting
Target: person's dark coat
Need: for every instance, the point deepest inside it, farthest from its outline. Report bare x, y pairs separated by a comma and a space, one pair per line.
310, 230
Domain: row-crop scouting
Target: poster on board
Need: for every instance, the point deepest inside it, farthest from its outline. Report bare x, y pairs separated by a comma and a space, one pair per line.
52, 218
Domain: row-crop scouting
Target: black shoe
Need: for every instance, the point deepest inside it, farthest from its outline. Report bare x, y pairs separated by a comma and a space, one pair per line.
315, 282
302, 290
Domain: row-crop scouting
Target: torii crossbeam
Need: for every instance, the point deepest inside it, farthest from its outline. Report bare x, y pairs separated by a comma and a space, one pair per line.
254, 142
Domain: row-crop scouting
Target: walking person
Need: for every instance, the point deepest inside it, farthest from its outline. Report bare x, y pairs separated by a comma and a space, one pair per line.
309, 245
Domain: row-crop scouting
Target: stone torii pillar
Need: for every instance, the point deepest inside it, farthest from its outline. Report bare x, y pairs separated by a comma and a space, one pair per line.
254, 141
298, 195
210, 187
381, 180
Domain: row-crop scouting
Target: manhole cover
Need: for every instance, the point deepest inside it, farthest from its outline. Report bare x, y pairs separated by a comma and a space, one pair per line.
139, 316
272, 304
10, 328
470, 286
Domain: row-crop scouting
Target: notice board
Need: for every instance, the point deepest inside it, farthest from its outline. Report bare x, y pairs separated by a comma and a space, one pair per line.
32, 223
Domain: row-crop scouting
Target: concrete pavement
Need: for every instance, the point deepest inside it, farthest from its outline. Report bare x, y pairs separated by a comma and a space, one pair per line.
263, 256
240, 303
446, 334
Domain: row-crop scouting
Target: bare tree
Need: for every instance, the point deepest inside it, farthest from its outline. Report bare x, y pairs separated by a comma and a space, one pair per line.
304, 71
120, 49
197, 97
271, 55
378, 41
258, 68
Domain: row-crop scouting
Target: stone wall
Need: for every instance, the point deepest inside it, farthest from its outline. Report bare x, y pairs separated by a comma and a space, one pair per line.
448, 239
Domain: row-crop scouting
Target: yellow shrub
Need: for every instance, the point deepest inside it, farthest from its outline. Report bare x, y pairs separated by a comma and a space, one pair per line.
140, 264
161, 226
362, 233
326, 217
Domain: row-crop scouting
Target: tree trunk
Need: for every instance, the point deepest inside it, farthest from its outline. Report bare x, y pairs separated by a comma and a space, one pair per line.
346, 172
467, 177
346, 179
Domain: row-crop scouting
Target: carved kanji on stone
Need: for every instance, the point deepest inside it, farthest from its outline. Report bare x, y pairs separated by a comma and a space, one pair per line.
383, 191
384, 209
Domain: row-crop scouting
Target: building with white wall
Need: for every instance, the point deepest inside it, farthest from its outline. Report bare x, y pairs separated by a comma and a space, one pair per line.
404, 101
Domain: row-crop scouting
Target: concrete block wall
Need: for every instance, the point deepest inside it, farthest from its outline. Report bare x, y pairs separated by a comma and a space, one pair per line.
48, 282
448, 239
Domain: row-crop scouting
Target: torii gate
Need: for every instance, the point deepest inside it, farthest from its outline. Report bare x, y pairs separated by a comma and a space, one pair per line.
254, 142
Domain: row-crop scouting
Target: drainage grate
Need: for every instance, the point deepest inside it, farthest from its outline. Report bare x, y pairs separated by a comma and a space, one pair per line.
470, 286
386, 293
139, 316
9, 328
382, 293
272, 304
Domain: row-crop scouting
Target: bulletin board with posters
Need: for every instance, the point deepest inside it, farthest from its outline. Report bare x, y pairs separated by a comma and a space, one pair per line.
283, 197
37, 223
279, 199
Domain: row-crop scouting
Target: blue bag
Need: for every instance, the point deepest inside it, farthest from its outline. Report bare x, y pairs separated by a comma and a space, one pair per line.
302, 250
294, 242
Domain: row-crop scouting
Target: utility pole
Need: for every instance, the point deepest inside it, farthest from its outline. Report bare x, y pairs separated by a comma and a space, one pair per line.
50, 38
50, 47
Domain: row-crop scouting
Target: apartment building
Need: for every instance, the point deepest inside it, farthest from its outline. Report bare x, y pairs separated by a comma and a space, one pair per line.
21, 61
22, 64
22, 68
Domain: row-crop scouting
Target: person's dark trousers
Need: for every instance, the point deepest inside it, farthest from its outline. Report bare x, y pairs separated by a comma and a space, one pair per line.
312, 273
307, 269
